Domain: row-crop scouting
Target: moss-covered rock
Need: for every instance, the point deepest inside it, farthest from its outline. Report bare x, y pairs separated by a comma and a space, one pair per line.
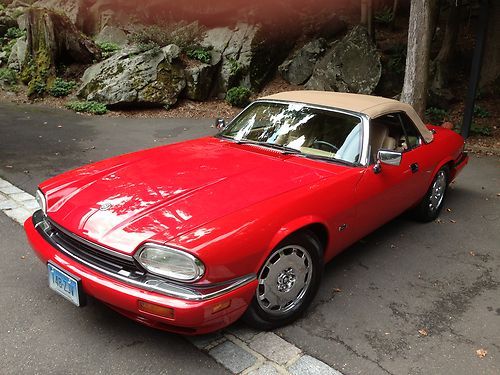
133, 77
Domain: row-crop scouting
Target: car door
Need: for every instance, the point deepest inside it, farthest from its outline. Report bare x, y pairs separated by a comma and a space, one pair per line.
383, 195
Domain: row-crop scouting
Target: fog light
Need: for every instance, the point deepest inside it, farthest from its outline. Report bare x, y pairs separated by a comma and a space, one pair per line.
221, 306
151, 308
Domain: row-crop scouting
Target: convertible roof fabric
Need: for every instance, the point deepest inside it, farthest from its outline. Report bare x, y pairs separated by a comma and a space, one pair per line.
372, 106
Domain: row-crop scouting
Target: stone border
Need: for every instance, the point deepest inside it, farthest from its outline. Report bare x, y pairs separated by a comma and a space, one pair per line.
239, 349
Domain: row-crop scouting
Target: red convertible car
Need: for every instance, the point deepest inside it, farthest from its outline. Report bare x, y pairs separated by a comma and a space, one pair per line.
192, 236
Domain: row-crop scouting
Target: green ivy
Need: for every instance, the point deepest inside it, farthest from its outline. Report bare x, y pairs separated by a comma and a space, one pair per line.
8, 76
108, 48
480, 112
435, 115
87, 107
476, 129
14, 33
238, 96
60, 87
200, 53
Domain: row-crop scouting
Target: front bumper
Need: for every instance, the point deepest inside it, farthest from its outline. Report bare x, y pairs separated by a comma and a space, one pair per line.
195, 310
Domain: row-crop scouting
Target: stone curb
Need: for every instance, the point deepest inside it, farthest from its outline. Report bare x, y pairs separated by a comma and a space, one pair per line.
239, 349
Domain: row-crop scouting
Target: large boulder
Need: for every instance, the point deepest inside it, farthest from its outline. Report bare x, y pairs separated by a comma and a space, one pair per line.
131, 77
350, 65
248, 55
112, 34
75, 10
298, 68
200, 78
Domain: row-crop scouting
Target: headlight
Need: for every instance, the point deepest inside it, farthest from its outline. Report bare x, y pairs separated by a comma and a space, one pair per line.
40, 198
174, 264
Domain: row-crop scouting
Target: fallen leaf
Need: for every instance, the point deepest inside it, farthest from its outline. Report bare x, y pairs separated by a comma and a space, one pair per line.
438, 221
471, 253
8, 166
453, 221
481, 353
423, 332
448, 209
23, 257
337, 290
393, 246
498, 194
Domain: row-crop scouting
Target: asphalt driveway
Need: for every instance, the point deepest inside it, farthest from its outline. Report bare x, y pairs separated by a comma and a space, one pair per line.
408, 299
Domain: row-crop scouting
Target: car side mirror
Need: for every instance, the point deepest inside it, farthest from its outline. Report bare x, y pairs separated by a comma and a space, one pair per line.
387, 157
220, 123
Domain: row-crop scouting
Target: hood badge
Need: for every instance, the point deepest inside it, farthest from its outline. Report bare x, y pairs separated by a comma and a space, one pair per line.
105, 206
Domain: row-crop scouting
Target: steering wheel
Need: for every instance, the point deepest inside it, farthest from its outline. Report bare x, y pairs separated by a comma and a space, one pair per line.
324, 143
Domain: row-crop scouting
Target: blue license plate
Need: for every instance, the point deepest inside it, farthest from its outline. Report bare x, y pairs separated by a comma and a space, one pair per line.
64, 284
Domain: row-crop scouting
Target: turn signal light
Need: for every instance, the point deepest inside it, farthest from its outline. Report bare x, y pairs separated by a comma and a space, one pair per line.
221, 306
151, 308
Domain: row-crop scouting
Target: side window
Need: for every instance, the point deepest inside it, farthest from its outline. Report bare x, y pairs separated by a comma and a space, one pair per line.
385, 133
412, 137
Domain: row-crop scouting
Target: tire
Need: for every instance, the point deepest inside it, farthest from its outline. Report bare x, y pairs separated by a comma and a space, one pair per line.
430, 206
288, 282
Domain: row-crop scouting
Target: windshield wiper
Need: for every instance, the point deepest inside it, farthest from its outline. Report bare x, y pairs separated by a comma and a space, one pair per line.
326, 158
282, 148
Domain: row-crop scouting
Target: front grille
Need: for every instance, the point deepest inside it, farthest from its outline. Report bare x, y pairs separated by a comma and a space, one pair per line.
82, 249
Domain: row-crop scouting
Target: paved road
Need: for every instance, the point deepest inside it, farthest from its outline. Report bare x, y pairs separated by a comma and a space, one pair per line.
439, 277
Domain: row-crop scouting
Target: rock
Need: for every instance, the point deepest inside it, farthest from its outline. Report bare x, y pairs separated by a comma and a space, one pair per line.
52, 37
299, 67
75, 10
132, 77
17, 55
248, 58
350, 65
200, 78
112, 34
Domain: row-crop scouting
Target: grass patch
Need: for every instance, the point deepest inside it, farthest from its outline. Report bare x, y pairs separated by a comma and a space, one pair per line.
92, 107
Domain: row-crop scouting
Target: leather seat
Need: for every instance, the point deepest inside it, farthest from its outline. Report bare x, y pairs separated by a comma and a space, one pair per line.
378, 134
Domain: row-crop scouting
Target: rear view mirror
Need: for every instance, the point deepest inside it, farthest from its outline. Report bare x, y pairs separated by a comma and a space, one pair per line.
387, 157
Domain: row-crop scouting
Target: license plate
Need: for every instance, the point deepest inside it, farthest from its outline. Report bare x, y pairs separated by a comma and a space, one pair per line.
65, 284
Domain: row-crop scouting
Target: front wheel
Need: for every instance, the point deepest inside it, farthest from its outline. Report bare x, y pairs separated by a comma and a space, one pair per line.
288, 281
430, 206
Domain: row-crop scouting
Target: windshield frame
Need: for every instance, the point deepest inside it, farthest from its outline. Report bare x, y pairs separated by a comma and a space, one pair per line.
364, 120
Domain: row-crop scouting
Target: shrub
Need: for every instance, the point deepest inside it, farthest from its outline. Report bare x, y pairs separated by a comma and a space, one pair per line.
60, 87
8, 76
384, 16
238, 96
108, 49
480, 112
435, 115
181, 34
200, 53
36, 87
87, 107
476, 129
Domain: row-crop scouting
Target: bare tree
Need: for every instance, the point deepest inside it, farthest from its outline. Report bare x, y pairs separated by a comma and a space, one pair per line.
445, 55
417, 58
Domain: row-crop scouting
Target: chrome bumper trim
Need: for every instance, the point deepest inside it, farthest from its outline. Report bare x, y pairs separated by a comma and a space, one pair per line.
147, 282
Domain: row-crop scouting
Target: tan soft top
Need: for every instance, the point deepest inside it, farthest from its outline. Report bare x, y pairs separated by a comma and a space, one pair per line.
372, 106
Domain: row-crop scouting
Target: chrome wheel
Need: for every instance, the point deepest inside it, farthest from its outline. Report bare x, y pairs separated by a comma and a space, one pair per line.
437, 191
284, 280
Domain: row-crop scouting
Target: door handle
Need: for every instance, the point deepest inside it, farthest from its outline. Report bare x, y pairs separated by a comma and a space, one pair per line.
414, 168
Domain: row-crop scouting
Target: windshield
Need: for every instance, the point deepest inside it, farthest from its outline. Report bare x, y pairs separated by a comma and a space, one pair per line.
312, 132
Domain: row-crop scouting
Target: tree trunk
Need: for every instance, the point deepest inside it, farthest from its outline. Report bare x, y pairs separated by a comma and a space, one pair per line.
445, 55
52, 39
490, 71
417, 59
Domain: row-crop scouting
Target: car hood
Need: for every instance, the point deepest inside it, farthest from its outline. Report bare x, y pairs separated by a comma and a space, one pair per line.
164, 192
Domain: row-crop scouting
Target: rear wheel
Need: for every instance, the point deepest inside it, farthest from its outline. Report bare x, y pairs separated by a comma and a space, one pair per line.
288, 281
430, 206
